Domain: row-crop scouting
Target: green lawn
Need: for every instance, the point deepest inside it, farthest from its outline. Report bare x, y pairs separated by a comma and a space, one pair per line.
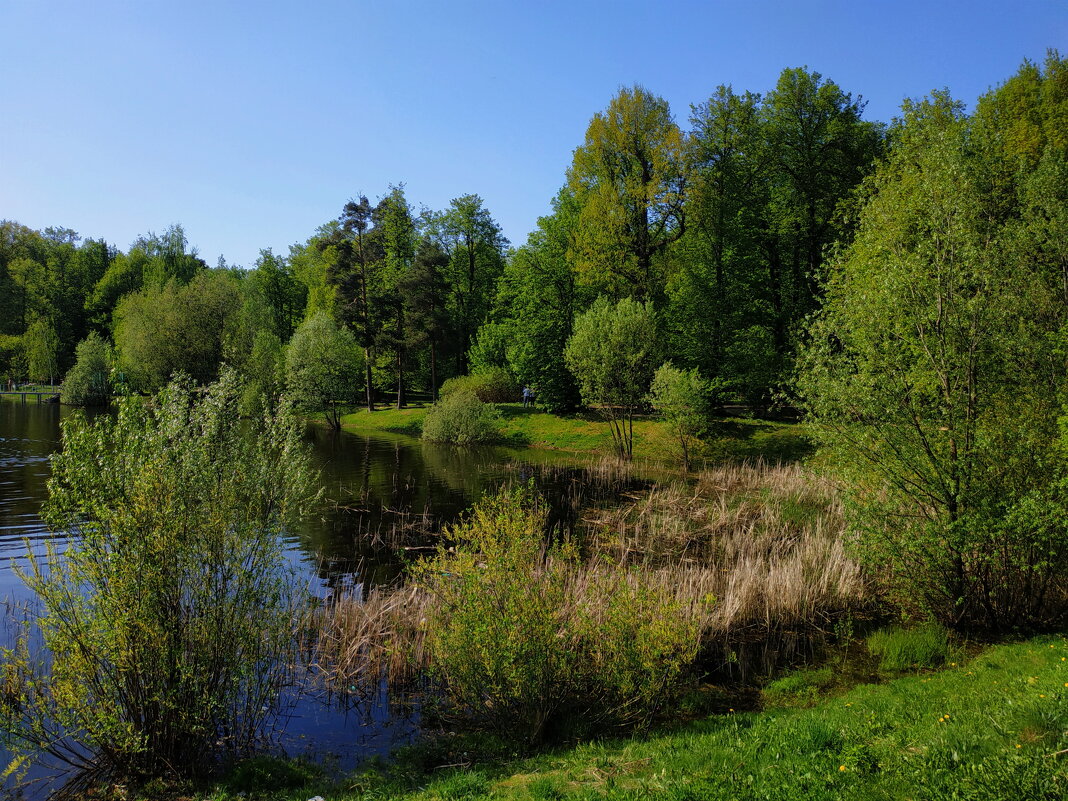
993, 729
588, 434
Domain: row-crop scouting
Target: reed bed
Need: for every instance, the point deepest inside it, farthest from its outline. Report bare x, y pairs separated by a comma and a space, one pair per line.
750, 553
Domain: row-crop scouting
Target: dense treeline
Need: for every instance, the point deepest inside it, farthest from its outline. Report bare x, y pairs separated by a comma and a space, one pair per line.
721, 229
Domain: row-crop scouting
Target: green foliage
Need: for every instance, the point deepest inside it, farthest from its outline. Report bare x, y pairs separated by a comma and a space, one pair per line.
768, 173
901, 648
41, 346
490, 385
611, 354
629, 178
323, 364
683, 400
462, 419
163, 330
261, 774
523, 634
168, 621
264, 374
934, 378
474, 244
799, 688
537, 299
88, 382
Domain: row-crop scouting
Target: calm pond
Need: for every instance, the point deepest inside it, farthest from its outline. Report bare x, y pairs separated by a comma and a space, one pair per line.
378, 489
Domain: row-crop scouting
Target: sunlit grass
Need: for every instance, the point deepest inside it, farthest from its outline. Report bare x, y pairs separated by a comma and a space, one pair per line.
729, 439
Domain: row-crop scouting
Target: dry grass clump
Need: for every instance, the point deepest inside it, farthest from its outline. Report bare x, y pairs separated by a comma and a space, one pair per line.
767, 541
365, 639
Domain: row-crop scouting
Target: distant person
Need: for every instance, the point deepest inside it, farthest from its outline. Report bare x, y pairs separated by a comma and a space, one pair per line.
528, 397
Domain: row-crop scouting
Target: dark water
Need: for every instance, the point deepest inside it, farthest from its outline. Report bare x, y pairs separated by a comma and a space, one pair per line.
385, 497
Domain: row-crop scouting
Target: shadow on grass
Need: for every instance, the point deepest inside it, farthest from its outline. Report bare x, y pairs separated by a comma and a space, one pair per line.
733, 440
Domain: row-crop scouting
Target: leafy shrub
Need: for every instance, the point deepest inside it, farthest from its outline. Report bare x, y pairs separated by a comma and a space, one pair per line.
461, 418
523, 634
490, 385
323, 363
88, 382
900, 648
168, 621
683, 399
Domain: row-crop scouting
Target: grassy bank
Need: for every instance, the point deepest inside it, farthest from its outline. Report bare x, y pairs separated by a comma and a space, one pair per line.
727, 438
990, 728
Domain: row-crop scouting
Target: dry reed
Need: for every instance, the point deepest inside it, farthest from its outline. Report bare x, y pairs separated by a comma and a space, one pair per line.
765, 542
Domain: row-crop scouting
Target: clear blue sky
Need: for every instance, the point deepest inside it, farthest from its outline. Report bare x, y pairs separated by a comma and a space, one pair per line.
252, 123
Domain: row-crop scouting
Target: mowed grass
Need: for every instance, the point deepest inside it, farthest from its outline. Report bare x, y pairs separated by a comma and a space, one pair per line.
730, 439
990, 729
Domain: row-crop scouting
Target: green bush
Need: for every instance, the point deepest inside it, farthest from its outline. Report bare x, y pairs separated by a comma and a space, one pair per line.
461, 418
88, 382
899, 648
524, 636
490, 385
167, 623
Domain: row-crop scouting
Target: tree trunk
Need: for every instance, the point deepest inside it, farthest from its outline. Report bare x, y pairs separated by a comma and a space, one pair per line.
433, 371
367, 379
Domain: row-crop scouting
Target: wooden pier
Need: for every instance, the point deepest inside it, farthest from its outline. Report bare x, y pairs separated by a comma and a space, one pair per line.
42, 396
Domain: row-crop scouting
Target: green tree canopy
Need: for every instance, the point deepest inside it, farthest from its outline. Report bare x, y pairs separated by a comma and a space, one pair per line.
935, 373
177, 328
88, 382
629, 177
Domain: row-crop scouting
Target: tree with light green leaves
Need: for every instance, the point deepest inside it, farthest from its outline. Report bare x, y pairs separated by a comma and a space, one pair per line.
934, 376
323, 366
167, 624
41, 346
629, 177
612, 356
88, 382
160, 331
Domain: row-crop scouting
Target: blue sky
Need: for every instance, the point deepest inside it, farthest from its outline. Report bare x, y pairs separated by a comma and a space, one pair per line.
252, 123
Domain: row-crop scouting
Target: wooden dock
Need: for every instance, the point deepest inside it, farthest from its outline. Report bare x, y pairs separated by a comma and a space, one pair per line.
46, 396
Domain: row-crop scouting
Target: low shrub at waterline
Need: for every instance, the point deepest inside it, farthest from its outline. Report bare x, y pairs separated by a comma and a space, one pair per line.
168, 618
525, 636
462, 419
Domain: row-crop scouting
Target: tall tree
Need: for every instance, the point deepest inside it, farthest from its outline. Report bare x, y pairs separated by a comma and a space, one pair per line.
630, 178
818, 149
467, 232
281, 298
423, 291
351, 270
395, 238
539, 296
